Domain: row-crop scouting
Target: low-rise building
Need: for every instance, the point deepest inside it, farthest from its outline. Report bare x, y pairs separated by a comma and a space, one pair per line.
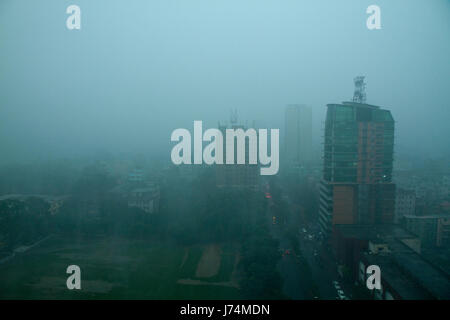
405, 204
145, 198
55, 201
433, 230
405, 273
144, 195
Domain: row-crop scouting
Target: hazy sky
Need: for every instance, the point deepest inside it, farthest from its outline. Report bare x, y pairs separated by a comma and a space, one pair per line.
139, 69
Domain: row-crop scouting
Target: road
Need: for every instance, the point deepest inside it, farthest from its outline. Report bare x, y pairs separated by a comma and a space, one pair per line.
324, 272
293, 280
322, 266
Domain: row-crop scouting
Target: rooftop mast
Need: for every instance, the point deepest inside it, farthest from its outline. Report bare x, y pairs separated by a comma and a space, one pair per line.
233, 117
359, 95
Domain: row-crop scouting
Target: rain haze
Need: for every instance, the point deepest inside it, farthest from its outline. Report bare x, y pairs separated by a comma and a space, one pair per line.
137, 70
225, 150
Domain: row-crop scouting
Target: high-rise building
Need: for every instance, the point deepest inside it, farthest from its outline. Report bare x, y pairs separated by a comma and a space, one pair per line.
298, 136
357, 183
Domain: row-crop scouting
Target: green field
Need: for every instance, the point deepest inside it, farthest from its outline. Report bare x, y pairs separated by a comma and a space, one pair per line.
117, 268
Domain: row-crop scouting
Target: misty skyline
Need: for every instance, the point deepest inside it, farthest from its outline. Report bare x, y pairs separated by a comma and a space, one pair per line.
136, 71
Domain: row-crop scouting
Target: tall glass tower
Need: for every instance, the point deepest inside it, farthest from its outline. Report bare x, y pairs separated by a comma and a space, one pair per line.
357, 183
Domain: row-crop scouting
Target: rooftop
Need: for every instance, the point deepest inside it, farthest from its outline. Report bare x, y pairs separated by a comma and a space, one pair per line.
21, 197
360, 105
374, 233
429, 216
404, 269
429, 277
397, 279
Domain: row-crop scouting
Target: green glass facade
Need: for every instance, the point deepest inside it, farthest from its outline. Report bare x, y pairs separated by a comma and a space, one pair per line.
358, 138
357, 183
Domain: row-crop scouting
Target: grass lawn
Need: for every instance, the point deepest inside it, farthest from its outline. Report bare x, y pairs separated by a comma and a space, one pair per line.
113, 268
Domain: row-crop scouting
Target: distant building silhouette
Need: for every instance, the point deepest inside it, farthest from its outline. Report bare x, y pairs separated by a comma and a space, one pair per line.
297, 136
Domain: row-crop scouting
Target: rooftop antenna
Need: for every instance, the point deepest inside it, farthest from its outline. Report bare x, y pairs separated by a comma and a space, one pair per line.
233, 117
359, 95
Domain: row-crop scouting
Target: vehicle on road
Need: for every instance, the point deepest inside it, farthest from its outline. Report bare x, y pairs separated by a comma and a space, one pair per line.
341, 295
336, 285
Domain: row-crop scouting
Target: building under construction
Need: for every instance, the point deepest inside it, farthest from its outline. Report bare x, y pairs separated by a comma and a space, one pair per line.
237, 175
357, 183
